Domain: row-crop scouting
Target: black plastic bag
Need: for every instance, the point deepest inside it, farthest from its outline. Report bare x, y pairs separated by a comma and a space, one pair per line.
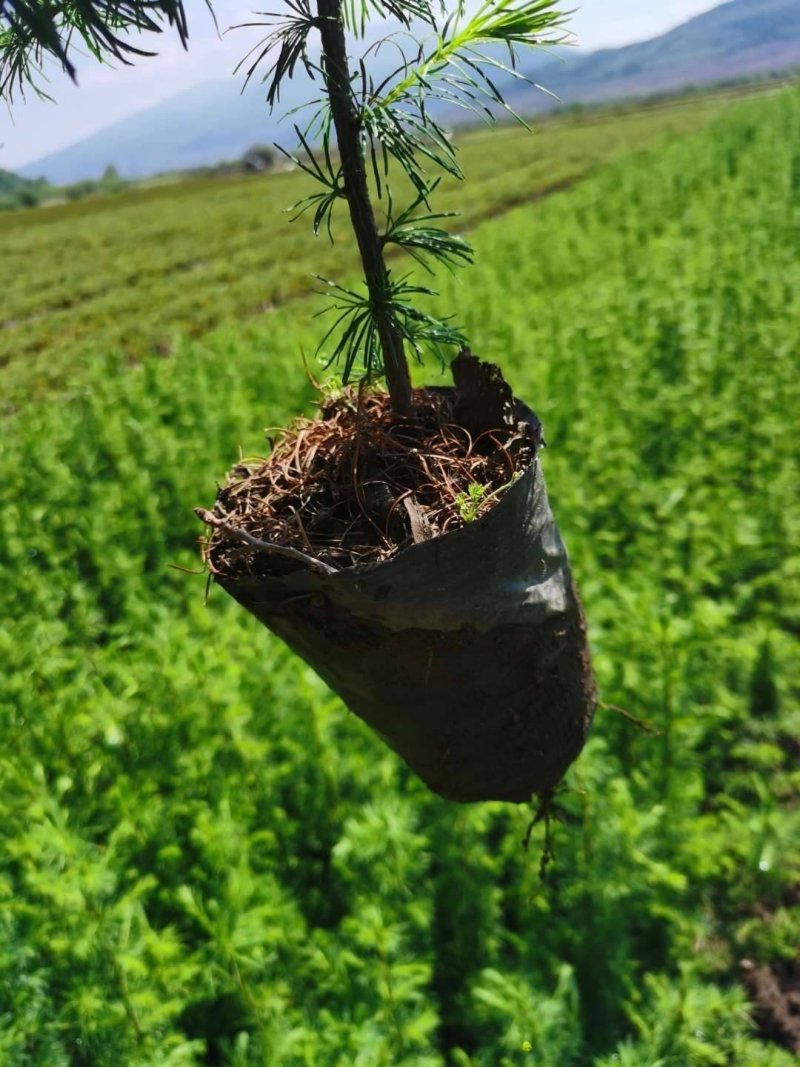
466, 653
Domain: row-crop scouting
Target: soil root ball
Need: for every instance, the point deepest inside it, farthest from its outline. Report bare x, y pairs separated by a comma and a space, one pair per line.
445, 615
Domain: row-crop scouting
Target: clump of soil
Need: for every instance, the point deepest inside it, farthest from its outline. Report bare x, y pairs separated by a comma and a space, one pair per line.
356, 485
775, 992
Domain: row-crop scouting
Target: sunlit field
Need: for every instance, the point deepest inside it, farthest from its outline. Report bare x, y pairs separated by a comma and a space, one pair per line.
130, 273
205, 858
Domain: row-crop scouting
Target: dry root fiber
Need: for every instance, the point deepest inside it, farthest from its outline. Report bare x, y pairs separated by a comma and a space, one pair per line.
356, 486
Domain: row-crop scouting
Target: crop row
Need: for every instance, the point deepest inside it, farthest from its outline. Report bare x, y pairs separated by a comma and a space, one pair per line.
129, 273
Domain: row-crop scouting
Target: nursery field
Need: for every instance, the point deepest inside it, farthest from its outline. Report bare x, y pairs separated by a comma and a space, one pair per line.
130, 272
205, 859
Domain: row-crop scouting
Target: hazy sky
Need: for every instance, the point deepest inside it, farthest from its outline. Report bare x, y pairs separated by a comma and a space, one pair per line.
104, 95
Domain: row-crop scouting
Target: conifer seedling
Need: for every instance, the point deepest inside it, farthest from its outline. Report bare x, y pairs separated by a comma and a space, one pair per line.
379, 147
405, 548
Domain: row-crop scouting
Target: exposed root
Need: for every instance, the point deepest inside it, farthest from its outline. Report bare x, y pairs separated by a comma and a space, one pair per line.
545, 813
210, 519
642, 724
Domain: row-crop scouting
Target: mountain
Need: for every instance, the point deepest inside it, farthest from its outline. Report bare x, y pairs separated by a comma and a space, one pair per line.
737, 39
215, 121
209, 123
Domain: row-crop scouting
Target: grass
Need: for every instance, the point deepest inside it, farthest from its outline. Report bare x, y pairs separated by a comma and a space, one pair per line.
206, 860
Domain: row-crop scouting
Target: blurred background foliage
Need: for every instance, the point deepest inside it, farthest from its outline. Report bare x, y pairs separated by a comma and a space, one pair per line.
205, 859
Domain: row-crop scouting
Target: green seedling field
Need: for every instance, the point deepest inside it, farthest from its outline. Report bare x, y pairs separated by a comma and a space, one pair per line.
205, 859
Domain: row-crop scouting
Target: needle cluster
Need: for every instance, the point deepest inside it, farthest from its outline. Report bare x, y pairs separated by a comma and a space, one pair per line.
32, 31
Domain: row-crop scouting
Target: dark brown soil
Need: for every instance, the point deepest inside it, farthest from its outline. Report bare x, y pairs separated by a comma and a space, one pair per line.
356, 485
775, 991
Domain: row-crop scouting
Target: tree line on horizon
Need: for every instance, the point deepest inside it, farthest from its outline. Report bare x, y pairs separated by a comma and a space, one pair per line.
18, 192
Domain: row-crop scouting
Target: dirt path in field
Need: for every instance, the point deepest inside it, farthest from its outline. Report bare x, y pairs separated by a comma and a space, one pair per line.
775, 992
542, 192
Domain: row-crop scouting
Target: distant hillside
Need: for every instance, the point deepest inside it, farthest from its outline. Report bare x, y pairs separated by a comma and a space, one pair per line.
16, 191
11, 183
737, 39
204, 125
215, 121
